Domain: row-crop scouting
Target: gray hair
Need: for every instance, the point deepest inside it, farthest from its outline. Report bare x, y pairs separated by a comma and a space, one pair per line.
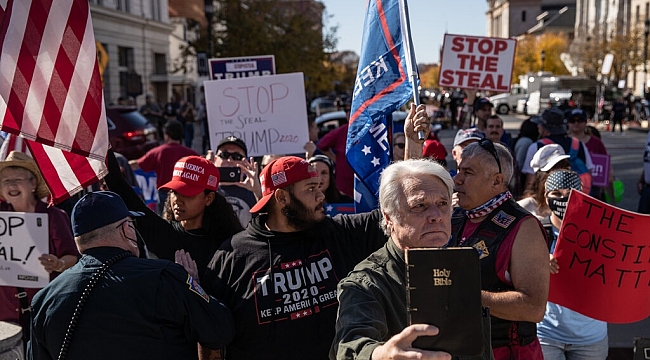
103, 233
391, 183
475, 150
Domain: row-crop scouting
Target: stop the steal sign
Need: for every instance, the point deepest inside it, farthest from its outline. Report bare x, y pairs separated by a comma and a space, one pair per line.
477, 62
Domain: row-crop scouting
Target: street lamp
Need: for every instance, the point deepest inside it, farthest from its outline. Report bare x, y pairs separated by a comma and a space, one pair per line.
208, 8
542, 56
646, 31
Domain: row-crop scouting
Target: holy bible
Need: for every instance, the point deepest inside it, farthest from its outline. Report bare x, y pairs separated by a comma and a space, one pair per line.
444, 290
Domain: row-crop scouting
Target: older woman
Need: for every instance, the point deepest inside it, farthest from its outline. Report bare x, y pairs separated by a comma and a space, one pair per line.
21, 189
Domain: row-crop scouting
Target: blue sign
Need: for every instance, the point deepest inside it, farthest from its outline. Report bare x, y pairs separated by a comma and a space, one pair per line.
241, 67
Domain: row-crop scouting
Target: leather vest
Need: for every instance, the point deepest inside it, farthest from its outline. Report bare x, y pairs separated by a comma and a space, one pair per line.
487, 239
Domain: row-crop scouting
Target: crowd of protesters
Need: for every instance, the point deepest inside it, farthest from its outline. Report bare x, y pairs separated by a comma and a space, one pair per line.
259, 243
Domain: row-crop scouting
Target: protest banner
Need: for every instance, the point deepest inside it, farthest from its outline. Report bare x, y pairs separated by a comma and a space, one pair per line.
23, 238
241, 67
603, 255
600, 172
476, 62
267, 112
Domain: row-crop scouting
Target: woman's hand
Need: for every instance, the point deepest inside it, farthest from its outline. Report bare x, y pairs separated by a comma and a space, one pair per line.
185, 260
52, 263
252, 183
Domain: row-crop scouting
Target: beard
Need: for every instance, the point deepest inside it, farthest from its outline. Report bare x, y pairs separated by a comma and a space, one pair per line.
299, 216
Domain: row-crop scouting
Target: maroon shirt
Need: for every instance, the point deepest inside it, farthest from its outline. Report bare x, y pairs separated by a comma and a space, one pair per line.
335, 140
162, 159
61, 243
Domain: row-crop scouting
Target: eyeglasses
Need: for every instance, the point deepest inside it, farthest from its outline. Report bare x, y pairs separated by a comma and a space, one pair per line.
230, 155
489, 146
400, 145
7, 182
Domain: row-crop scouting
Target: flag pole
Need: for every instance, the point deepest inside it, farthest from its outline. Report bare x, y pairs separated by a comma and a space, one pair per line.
409, 54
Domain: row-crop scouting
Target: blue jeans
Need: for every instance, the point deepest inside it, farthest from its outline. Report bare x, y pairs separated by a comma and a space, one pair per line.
189, 134
644, 201
554, 350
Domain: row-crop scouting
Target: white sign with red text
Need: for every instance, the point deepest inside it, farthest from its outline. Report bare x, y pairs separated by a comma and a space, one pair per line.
267, 112
476, 62
23, 238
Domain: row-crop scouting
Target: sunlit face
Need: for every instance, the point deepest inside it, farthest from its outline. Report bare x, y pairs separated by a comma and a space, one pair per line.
233, 155
324, 174
189, 209
494, 130
17, 184
470, 183
398, 147
313, 132
424, 215
305, 206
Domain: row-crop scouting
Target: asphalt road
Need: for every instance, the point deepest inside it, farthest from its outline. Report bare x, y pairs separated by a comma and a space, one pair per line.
626, 153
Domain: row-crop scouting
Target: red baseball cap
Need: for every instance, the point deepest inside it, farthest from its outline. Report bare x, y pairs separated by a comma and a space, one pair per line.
193, 174
434, 149
281, 172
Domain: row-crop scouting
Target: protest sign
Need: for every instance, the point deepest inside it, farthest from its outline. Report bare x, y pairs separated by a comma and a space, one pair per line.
267, 112
604, 258
600, 172
23, 238
240, 67
477, 62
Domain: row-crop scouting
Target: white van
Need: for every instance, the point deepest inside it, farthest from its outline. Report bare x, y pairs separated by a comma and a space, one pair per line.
533, 103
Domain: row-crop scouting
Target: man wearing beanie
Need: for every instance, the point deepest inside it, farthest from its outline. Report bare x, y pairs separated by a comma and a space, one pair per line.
113, 305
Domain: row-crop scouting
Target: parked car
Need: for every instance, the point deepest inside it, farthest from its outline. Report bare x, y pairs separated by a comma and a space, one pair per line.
129, 133
332, 120
505, 102
320, 106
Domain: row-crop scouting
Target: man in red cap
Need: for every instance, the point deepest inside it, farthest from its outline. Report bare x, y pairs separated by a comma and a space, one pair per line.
279, 276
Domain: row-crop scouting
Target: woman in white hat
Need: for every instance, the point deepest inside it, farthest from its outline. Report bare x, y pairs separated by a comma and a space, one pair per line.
22, 189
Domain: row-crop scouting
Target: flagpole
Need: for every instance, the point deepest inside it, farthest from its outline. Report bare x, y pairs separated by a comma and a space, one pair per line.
409, 54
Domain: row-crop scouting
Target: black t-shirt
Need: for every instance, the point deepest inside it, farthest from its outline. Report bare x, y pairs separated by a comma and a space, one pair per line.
281, 287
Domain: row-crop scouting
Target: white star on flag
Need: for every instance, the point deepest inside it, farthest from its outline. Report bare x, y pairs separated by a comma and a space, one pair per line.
375, 161
330, 208
366, 150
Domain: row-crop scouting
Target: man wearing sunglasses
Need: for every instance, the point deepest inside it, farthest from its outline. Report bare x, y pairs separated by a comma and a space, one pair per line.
512, 246
245, 190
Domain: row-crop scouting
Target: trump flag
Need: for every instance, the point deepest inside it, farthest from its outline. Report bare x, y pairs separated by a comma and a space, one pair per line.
50, 90
381, 87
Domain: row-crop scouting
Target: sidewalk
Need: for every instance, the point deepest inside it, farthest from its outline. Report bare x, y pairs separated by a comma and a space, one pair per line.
631, 126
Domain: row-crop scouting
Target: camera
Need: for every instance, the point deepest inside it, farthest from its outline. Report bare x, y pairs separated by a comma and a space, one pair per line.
230, 174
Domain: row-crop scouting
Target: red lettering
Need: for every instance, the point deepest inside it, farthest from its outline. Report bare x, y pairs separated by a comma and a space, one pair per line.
501, 86
447, 77
488, 82
485, 46
500, 45
491, 63
461, 76
476, 63
473, 80
457, 44
463, 58
471, 42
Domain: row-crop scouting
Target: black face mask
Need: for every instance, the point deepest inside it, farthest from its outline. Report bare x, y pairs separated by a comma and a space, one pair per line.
558, 205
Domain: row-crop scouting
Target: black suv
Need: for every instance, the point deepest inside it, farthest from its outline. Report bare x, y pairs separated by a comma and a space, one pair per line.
129, 133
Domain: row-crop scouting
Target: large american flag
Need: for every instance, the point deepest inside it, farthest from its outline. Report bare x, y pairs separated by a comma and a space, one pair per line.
51, 91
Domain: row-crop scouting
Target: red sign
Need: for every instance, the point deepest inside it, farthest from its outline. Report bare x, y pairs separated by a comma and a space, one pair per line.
477, 62
604, 257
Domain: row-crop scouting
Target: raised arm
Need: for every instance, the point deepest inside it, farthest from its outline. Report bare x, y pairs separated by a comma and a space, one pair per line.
416, 121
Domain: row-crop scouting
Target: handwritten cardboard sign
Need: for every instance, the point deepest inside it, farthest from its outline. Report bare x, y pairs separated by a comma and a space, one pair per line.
267, 112
239, 67
23, 238
604, 257
477, 62
600, 172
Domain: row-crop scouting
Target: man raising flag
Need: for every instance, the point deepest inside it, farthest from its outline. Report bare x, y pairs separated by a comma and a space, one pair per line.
50, 90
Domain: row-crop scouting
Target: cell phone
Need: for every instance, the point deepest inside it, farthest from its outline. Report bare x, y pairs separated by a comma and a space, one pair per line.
230, 174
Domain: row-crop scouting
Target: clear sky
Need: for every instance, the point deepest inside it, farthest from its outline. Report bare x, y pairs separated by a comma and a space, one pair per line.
430, 20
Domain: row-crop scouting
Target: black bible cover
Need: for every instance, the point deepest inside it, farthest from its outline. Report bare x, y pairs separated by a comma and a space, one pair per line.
444, 290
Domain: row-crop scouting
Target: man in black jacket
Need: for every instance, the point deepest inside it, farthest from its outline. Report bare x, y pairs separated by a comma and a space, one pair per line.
132, 308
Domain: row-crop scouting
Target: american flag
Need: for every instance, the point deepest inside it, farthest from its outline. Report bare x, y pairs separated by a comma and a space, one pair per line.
51, 92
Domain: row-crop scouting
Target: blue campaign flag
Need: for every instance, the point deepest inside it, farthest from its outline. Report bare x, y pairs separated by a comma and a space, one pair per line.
384, 83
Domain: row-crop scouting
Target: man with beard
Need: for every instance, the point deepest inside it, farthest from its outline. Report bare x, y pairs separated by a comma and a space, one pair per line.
514, 256
279, 276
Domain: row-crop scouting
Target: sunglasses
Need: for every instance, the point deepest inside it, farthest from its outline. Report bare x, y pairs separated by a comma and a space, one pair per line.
230, 155
575, 120
489, 146
400, 145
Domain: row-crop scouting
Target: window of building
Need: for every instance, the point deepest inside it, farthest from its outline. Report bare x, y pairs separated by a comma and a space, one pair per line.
124, 5
155, 10
160, 63
523, 16
125, 57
